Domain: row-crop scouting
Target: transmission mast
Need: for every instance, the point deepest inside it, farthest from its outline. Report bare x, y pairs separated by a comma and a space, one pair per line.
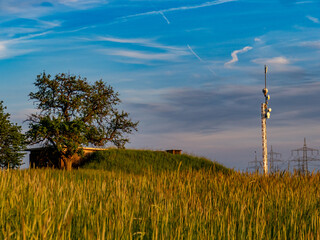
273, 158
303, 161
265, 114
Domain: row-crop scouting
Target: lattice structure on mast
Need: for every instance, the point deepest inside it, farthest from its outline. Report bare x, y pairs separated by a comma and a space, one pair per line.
303, 156
274, 158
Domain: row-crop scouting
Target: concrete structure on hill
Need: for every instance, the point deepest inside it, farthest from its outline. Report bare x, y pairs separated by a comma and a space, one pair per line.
174, 151
47, 157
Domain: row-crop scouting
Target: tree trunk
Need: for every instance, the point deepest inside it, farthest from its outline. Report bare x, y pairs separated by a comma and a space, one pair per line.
68, 166
65, 163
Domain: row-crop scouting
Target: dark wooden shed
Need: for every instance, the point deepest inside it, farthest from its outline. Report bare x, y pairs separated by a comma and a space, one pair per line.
174, 151
47, 157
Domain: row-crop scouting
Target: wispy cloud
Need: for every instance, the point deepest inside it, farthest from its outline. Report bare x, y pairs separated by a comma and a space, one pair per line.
2, 47
32, 8
142, 55
311, 44
125, 40
7, 51
275, 60
82, 3
182, 8
312, 19
235, 53
285, 67
15, 46
304, 2
146, 42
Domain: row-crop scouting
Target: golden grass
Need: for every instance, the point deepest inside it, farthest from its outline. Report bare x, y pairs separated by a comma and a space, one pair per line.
93, 204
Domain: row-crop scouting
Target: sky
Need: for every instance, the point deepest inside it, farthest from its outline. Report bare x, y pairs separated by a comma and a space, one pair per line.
190, 71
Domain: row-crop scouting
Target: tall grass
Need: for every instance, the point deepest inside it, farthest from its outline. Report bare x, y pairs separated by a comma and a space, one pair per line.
181, 204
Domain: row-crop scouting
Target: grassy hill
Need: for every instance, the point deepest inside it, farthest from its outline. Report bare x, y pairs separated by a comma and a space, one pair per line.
140, 161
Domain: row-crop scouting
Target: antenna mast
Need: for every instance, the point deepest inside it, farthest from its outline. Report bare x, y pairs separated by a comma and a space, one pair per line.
265, 114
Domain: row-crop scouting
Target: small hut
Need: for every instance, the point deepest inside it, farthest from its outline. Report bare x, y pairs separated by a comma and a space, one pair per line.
174, 151
47, 157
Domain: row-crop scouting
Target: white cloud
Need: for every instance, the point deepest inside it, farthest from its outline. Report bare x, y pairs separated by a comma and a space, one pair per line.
280, 64
276, 60
235, 53
142, 42
257, 39
157, 52
81, 3
304, 2
142, 55
182, 8
313, 19
34, 8
16, 46
125, 40
2, 47
311, 44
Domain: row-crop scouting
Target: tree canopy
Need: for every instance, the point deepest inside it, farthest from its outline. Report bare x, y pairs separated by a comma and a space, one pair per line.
73, 113
12, 141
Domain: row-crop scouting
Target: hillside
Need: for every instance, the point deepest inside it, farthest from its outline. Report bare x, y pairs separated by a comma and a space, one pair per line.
139, 161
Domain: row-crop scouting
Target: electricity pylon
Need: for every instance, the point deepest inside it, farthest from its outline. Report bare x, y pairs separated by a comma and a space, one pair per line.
303, 161
265, 114
256, 164
273, 158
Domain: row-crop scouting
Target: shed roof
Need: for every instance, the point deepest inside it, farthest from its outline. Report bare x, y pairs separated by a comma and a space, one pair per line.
84, 148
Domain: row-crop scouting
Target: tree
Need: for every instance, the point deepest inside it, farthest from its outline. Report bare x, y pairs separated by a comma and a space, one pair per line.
12, 141
73, 113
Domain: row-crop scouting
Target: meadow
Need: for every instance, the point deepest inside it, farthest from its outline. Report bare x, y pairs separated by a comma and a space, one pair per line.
184, 203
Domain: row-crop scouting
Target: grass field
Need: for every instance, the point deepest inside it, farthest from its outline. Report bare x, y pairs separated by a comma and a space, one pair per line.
169, 204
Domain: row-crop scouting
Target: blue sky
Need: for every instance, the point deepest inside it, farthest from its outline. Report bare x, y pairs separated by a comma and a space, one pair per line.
190, 71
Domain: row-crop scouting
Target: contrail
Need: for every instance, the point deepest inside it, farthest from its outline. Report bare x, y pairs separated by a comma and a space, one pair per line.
200, 59
165, 18
196, 55
206, 4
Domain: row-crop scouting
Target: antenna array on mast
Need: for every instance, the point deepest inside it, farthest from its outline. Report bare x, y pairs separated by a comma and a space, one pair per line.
265, 114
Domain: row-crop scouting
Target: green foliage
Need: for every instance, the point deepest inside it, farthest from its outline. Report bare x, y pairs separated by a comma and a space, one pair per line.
94, 204
12, 141
141, 161
73, 113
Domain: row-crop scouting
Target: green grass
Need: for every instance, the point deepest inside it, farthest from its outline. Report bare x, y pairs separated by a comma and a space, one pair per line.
188, 204
141, 161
